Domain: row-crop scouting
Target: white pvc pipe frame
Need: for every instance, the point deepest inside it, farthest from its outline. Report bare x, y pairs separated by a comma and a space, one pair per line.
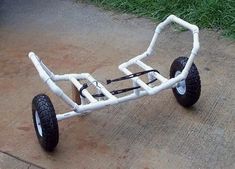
49, 78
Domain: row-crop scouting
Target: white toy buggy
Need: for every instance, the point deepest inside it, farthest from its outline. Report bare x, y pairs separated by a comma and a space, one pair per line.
184, 81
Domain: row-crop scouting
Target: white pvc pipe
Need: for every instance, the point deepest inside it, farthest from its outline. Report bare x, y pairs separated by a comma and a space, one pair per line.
101, 87
84, 91
193, 28
146, 67
137, 80
90, 107
48, 77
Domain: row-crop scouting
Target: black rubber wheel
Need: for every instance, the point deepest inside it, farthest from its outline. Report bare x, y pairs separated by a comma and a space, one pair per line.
187, 91
45, 122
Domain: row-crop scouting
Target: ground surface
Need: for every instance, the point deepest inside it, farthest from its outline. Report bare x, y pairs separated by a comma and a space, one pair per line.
153, 132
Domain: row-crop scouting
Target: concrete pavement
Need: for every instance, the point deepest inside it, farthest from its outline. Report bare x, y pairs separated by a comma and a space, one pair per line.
7, 161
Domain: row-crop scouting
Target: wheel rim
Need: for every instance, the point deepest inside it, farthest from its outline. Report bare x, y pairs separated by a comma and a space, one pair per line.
181, 86
38, 124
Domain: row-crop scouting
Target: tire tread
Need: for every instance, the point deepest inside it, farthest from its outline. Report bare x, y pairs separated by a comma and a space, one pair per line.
49, 124
193, 82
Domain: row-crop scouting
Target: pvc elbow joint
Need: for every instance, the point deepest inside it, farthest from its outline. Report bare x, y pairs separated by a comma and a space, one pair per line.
149, 51
195, 29
122, 66
171, 16
31, 54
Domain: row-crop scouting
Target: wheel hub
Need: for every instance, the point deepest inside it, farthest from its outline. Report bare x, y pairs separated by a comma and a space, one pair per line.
181, 86
38, 122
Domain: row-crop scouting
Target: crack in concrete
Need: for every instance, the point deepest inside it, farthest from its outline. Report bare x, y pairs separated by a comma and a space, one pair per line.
22, 160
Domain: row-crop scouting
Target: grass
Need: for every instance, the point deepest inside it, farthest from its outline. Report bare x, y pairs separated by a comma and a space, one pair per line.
214, 14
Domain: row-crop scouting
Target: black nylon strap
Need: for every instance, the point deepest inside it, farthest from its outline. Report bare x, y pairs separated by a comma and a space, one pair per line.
84, 86
114, 92
131, 76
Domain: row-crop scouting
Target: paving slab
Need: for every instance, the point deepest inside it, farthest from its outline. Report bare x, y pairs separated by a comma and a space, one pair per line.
8, 161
